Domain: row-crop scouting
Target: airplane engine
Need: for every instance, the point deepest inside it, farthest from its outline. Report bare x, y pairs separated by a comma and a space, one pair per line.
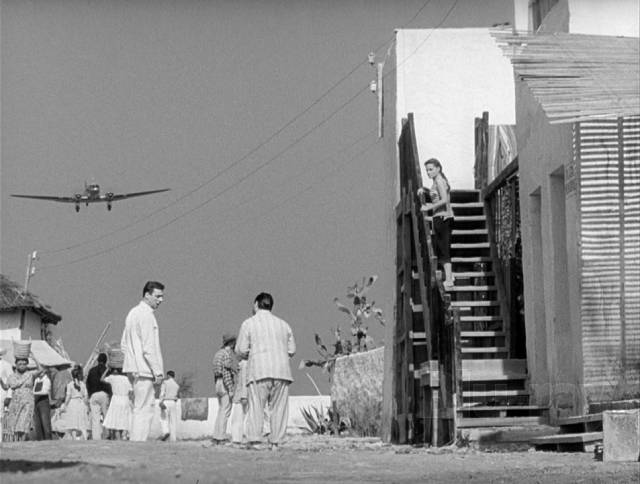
109, 198
77, 196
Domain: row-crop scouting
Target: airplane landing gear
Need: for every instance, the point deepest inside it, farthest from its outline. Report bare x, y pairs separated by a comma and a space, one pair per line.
109, 207
77, 207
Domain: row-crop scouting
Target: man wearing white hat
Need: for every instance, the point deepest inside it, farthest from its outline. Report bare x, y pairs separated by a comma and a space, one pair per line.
5, 371
143, 358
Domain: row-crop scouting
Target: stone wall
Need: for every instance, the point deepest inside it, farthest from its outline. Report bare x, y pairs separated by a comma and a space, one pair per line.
356, 390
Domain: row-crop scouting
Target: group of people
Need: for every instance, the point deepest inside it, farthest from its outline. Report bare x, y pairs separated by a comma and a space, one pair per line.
40, 403
44, 404
251, 371
111, 400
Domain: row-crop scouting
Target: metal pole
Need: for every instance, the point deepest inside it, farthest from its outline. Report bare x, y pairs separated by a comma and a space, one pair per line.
30, 269
379, 93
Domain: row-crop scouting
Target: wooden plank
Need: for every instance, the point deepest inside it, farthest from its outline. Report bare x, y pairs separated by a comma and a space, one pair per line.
481, 334
487, 349
472, 288
465, 304
472, 274
467, 205
502, 421
578, 438
494, 393
469, 218
463, 260
489, 408
471, 245
469, 232
497, 366
594, 417
480, 318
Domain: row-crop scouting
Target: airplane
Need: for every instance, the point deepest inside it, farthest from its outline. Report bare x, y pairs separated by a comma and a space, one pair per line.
91, 194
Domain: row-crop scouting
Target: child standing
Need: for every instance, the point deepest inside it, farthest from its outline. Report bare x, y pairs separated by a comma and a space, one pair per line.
75, 407
118, 419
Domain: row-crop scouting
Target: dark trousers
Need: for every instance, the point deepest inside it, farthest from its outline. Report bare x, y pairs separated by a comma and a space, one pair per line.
442, 238
42, 418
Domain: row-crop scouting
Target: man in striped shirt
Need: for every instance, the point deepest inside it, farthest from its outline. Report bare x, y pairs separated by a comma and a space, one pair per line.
267, 341
224, 372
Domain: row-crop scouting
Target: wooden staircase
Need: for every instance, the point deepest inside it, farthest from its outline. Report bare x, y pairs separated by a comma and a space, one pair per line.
577, 434
494, 386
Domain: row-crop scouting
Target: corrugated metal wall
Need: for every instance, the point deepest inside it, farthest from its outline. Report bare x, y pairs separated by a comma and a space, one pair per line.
608, 159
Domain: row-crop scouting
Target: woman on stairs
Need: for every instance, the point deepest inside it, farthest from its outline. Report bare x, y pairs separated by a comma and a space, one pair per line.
440, 205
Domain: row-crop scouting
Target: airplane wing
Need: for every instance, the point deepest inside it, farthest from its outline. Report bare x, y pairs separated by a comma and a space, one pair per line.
53, 199
112, 197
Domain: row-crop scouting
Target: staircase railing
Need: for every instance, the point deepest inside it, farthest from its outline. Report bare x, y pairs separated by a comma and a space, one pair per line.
498, 182
424, 312
501, 199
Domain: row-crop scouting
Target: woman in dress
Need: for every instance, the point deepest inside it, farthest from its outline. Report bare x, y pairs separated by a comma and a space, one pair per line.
118, 418
75, 407
20, 412
440, 205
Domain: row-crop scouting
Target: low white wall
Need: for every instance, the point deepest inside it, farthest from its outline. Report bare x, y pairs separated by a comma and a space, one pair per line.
203, 429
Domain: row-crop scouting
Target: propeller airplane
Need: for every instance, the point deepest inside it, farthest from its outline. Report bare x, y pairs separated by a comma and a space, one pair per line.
91, 194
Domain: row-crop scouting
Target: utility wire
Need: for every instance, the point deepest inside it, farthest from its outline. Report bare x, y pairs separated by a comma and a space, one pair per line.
244, 157
259, 167
151, 231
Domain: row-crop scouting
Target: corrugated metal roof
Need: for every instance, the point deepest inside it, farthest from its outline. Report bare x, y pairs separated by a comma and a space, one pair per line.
12, 298
577, 77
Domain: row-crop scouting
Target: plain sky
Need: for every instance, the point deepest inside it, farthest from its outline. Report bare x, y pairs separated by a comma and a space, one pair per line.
255, 113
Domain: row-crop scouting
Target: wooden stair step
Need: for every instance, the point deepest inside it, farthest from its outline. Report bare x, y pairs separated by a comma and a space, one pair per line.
477, 376
470, 422
498, 408
487, 349
470, 218
468, 204
481, 334
469, 232
466, 304
472, 288
496, 369
470, 245
466, 274
494, 393
463, 260
492, 317
577, 438
594, 417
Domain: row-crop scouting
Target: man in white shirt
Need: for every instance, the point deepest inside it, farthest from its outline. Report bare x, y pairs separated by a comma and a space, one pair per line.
168, 402
267, 341
42, 408
143, 358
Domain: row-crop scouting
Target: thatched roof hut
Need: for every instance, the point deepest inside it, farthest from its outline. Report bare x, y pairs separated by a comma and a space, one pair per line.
12, 298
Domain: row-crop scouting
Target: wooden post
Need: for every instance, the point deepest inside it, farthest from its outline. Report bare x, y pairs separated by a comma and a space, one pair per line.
380, 99
92, 356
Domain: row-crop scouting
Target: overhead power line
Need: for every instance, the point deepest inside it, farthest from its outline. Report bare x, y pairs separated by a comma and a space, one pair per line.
156, 229
256, 169
244, 157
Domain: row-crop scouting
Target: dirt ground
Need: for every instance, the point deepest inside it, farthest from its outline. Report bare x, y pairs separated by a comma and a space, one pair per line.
309, 459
